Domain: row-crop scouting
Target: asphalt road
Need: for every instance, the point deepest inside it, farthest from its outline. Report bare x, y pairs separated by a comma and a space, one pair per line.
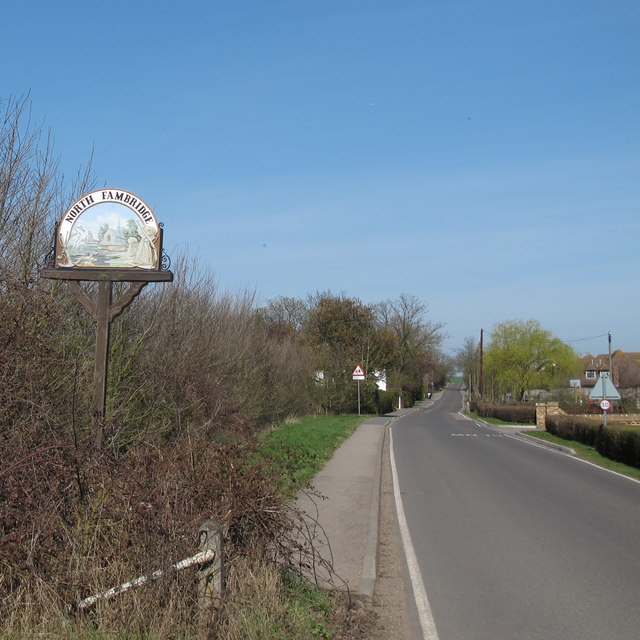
516, 541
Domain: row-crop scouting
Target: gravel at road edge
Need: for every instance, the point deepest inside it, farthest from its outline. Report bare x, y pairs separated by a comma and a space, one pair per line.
392, 599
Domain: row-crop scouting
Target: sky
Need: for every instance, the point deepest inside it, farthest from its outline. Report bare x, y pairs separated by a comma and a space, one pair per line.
480, 155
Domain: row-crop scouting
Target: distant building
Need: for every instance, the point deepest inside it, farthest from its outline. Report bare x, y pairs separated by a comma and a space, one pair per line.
625, 369
381, 379
593, 366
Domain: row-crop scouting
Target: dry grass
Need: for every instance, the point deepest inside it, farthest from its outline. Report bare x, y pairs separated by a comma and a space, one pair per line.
76, 522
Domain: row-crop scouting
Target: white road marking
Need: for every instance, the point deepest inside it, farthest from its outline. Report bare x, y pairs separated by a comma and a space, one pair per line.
477, 435
591, 464
419, 593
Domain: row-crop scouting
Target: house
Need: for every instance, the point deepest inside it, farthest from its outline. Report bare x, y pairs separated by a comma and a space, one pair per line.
625, 373
592, 367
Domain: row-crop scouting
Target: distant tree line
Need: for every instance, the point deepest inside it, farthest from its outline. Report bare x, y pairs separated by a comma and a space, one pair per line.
521, 356
392, 341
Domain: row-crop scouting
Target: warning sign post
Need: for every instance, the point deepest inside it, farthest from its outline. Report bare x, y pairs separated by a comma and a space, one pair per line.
605, 391
358, 374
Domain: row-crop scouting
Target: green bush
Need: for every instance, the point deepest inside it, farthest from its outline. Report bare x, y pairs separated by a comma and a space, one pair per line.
407, 399
520, 413
387, 401
573, 428
384, 401
618, 443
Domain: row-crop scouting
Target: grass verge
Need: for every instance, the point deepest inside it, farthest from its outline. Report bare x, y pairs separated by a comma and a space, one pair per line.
267, 602
298, 450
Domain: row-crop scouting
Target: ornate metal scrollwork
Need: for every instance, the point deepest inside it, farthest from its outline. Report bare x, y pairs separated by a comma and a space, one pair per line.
50, 258
165, 263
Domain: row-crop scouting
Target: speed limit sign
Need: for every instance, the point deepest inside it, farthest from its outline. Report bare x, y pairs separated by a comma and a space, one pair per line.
605, 405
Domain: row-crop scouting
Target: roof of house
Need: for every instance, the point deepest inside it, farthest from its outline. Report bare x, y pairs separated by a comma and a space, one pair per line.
596, 363
601, 361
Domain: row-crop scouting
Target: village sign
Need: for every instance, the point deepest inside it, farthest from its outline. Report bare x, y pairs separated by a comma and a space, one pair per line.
107, 236
110, 229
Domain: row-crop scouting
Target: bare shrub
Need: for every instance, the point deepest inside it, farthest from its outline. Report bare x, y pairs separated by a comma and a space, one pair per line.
42, 363
81, 521
192, 358
32, 193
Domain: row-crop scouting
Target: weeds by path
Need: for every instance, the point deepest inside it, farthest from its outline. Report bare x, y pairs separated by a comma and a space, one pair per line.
129, 515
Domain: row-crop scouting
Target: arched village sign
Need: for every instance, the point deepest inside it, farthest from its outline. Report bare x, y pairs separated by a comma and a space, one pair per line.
109, 229
108, 235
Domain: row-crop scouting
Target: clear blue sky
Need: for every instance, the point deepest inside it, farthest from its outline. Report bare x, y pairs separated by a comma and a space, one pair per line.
483, 156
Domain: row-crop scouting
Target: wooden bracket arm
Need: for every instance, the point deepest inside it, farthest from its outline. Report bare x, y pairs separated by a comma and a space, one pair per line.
126, 299
84, 299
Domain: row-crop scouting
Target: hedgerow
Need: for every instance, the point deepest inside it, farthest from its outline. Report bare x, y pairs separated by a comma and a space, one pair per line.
520, 413
619, 443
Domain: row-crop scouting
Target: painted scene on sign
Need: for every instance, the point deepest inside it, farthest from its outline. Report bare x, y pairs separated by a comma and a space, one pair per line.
109, 235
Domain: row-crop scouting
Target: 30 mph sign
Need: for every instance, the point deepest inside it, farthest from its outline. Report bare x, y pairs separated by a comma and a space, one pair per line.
605, 405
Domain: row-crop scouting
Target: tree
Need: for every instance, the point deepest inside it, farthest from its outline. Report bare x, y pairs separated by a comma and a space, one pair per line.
522, 356
626, 370
284, 316
342, 332
392, 337
102, 230
32, 193
467, 360
417, 354
129, 230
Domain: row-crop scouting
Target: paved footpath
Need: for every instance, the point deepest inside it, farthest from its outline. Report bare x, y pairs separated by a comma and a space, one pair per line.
349, 513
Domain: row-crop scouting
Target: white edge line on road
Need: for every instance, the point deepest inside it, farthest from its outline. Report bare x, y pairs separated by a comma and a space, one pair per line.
419, 593
461, 412
615, 473
591, 464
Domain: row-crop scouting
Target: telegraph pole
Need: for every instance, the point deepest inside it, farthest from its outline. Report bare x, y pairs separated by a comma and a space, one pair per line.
480, 375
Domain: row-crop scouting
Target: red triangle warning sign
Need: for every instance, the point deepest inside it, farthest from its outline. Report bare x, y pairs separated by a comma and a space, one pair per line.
358, 373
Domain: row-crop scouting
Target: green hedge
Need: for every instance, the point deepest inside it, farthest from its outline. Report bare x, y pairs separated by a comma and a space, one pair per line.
387, 401
618, 443
518, 413
384, 401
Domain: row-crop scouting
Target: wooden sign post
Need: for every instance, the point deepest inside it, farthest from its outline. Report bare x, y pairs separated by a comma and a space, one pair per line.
107, 236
